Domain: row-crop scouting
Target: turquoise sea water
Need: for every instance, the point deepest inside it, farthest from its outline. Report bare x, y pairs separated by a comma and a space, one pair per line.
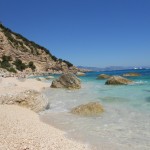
125, 124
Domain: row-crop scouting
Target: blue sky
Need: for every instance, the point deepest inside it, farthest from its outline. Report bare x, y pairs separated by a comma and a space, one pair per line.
86, 32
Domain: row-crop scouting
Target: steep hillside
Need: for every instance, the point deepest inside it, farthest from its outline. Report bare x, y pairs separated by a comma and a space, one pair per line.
20, 54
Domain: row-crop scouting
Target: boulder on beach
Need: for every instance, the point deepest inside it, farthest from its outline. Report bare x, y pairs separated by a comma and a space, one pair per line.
68, 80
118, 80
30, 99
90, 109
80, 74
131, 74
103, 76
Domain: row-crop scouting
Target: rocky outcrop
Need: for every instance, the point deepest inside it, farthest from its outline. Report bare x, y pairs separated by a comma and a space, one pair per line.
103, 76
30, 99
90, 109
80, 74
118, 80
131, 74
18, 47
68, 80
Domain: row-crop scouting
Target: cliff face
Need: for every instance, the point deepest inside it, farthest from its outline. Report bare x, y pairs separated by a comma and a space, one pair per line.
18, 47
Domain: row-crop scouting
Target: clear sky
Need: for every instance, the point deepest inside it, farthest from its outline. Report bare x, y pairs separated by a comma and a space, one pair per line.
86, 32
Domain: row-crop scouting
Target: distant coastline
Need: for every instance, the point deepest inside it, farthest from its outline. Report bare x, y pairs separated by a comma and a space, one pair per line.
113, 68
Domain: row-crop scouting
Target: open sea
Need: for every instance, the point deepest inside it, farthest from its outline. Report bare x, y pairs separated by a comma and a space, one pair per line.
125, 124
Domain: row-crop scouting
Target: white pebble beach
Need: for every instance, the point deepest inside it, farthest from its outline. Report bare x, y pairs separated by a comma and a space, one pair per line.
21, 128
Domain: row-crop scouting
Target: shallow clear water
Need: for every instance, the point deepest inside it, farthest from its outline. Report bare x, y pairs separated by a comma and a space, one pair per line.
125, 124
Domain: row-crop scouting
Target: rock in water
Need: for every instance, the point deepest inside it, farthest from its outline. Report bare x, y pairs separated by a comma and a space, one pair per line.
90, 109
80, 74
131, 74
118, 80
103, 76
67, 80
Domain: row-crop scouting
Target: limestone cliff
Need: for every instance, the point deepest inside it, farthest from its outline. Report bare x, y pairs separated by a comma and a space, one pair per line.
18, 47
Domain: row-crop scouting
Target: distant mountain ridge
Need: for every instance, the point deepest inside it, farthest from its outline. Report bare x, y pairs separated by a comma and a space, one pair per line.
111, 68
16, 49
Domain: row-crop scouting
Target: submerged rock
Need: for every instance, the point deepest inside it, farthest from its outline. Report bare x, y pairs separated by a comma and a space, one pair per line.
31, 99
90, 109
118, 80
131, 74
114, 99
67, 80
103, 76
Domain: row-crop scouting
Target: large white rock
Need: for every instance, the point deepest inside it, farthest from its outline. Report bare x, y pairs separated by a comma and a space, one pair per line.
31, 99
67, 80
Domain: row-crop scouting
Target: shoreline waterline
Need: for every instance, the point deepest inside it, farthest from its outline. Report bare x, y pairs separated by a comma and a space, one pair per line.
125, 124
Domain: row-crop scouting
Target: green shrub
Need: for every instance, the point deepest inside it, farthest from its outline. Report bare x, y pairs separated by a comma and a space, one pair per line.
6, 58
31, 65
68, 63
12, 70
5, 64
19, 65
54, 58
60, 60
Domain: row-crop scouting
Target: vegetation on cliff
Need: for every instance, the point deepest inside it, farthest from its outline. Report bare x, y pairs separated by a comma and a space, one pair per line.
5, 63
17, 64
26, 47
15, 43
